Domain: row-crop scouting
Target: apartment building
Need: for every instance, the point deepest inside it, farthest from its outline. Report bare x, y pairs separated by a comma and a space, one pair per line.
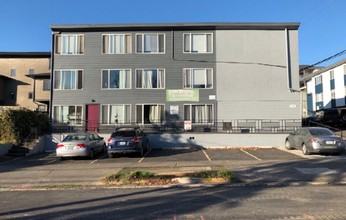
326, 88
211, 75
25, 80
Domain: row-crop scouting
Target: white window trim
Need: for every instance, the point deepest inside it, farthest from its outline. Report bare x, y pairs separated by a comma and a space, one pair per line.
205, 77
81, 116
164, 75
192, 52
205, 105
113, 122
143, 34
109, 79
70, 54
76, 80
143, 104
117, 34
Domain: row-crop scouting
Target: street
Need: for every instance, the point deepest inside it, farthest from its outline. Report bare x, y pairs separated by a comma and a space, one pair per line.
185, 203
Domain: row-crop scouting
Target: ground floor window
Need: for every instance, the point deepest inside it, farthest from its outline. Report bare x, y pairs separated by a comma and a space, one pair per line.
116, 114
199, 114
150, 114
71, 114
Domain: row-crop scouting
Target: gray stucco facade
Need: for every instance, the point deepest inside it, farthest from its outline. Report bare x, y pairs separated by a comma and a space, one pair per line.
245, 71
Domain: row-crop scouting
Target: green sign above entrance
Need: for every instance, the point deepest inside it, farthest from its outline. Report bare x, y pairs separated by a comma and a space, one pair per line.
182, 95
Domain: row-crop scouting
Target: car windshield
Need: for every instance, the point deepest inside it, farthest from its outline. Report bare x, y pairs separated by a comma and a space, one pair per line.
75, 137
123, 134
319, 131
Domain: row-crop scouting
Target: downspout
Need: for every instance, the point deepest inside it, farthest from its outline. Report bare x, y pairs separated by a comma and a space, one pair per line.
288, 61
173, 55
51, 79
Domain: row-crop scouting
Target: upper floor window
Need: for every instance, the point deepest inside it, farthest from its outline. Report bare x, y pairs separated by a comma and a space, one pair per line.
150, 43
331, 74
68, 79
198, 43
116, 43
198, 78
318, 80
150, 78
116, 79
13, 72
69, 44
46, 85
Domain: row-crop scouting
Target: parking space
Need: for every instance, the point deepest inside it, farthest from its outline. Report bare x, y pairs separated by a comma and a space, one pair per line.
228, 154
174, 155
272, 154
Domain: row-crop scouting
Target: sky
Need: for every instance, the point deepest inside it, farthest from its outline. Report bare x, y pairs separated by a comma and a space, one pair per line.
25, 24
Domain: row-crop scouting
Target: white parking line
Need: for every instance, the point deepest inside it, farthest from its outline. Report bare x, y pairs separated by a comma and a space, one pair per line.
206, 155
140, 161
94, 161
251, 155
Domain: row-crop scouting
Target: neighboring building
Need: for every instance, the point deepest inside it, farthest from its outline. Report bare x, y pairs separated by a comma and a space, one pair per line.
305, 72
215, 75
25, 80
326, 88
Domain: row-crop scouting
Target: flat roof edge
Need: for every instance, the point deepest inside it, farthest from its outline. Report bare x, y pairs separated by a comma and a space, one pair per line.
179, 26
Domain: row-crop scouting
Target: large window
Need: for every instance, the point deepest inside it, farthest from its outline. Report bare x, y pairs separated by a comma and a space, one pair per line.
198, 78
116, 114
150, 43
69, 44
150, 78
150, 114
71, 115
116, 43
198, 43
68, 79
116, 79
198, 114
318, 80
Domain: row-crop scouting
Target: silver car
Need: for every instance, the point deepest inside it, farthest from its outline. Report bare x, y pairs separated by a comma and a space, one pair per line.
315, 140
81, 145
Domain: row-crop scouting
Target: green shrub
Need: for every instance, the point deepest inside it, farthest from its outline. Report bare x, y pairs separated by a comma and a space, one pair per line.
17, 124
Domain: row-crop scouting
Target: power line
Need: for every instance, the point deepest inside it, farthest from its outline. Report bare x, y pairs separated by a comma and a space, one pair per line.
325, 60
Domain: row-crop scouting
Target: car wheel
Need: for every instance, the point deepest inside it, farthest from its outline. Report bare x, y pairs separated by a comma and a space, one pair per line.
141, 151
305, 150
104, 149
62, 158
92, 154
147, 146
288, 145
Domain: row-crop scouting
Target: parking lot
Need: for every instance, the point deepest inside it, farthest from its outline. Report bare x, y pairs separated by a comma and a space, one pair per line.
195, 155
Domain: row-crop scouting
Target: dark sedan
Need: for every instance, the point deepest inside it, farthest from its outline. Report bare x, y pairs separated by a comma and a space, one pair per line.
127, 140
315, 140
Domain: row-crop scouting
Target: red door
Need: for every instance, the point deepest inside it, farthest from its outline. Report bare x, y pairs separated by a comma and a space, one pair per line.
93, 111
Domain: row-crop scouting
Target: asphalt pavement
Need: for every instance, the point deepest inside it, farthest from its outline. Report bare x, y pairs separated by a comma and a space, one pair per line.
254, 166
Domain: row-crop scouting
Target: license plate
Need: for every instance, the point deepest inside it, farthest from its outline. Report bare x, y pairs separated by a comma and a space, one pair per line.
122, 143
330, 142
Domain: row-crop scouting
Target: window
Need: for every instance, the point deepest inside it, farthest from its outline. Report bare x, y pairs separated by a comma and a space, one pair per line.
318, 80
69, 44
116, 43
198, 78
332, 93
68, 114
331, 74
13, 72
150, 78
319, 97
116, 79
31, 71
198, 114
12, 96
150, 43
30, 95
198, 43
46, 85
68, 79
150, 114
116, 114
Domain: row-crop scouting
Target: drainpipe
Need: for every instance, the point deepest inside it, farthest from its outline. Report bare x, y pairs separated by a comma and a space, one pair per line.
288, 62
51, 78
172, 55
